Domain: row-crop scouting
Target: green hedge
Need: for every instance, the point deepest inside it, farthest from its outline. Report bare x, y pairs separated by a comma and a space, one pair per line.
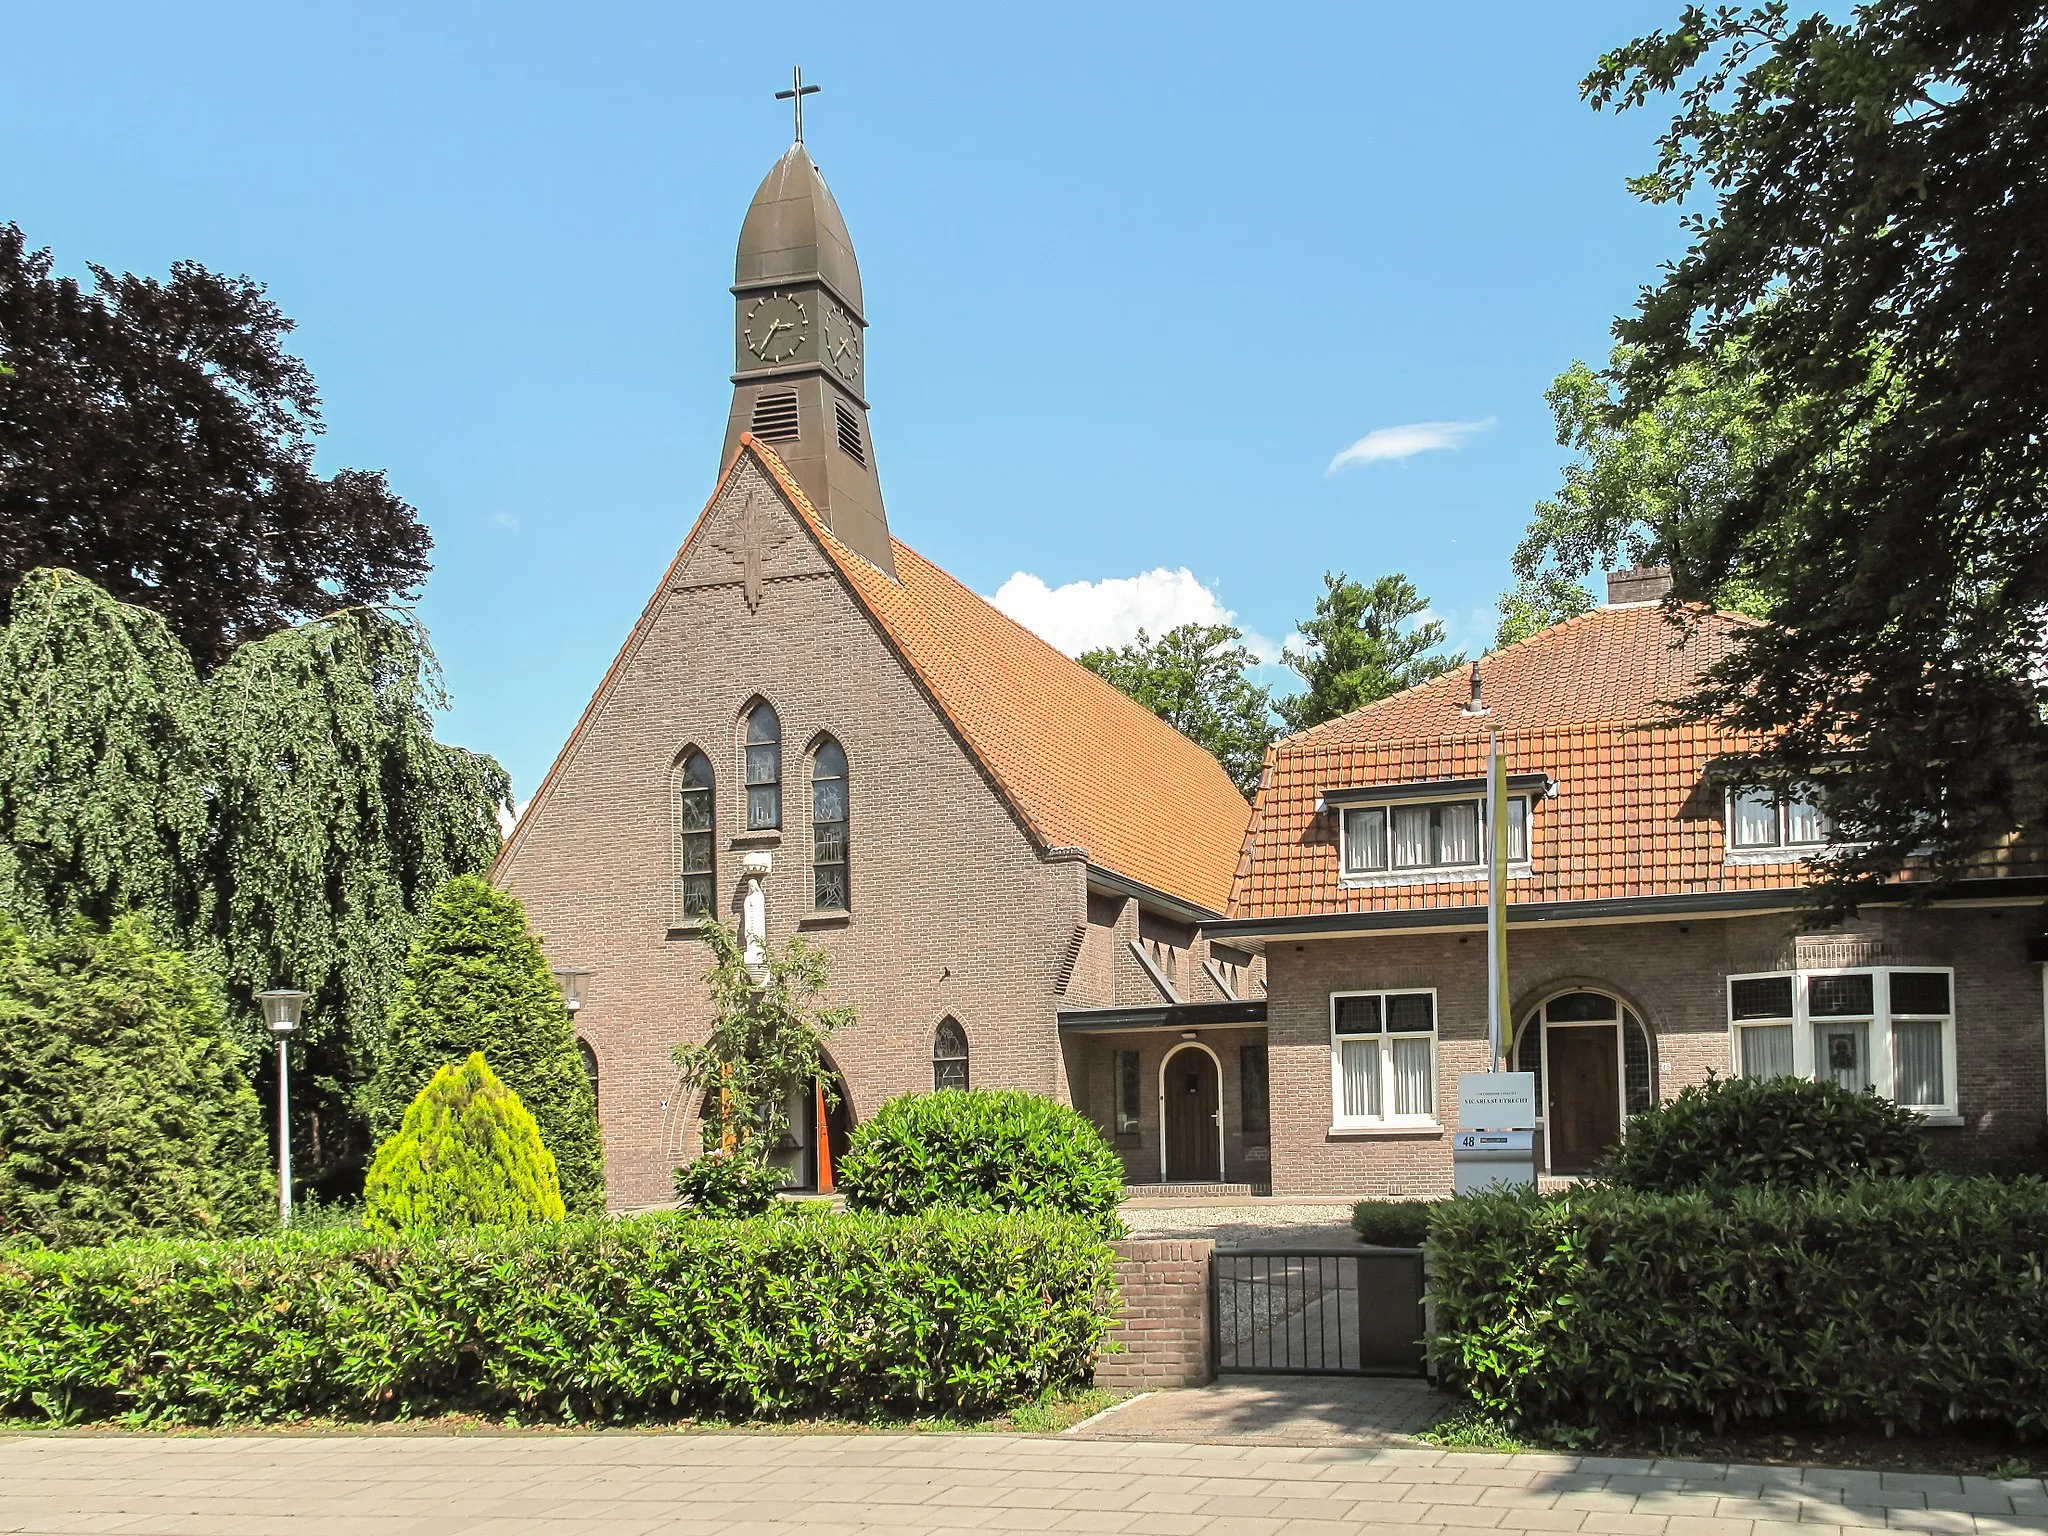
590, 1320
985, 1150
1392, 1223
1902, 1303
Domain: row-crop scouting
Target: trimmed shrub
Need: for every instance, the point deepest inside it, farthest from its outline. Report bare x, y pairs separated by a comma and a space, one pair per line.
1392, 1223
721, 1183
1790, 1132
476, 980
648, 1317
981, 1150
125, 1109
1912, 1304
467, 1154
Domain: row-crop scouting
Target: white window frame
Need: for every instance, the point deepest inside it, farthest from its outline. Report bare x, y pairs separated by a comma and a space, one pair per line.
1782, 844
1883, 1072
1391, 873
1341, 1121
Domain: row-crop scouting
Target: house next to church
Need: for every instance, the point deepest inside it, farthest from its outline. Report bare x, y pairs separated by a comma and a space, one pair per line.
1653, 923
1007, 861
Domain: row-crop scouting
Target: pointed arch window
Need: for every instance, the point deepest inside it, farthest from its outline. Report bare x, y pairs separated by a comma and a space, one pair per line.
949, 1055
589, 1059
828, 828
695, 860
764, 769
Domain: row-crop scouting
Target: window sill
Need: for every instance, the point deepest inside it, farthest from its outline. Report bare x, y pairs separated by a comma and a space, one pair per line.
1772, 855
825, 917
767, 837
1941, 1119
690, 930
1384, 1132
1462, 874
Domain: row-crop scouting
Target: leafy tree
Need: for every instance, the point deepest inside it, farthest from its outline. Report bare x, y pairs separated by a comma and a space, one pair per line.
1873, 252
288, 818
767, 1041
1362, 646
476, 981
1648, 484
1193, 678
158, 439
466, 1154
125, 1105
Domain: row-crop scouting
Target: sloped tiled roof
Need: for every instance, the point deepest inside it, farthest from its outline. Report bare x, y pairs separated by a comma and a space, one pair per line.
1636, 812
1607, 664
1082, 763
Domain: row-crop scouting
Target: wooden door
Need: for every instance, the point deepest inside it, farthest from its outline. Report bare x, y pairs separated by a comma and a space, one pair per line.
1191, 1099
1584, 1110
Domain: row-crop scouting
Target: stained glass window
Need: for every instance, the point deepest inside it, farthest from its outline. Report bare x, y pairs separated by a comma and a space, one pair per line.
828, 829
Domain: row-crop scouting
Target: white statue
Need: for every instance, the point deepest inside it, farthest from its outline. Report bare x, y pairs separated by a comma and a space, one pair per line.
754, 914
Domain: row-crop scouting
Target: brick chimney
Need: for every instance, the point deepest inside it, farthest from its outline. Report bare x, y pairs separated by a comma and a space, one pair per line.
1644, 584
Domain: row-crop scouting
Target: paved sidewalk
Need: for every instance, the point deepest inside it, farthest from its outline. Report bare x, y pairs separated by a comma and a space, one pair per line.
624, 1484
1278, 1410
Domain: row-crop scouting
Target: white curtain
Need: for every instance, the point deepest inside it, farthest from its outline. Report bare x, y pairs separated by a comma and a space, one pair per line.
1414, 1086
1841, 1054
1916, 1064
1804, 823
1411, 836
1360, 1062
1365, 839
1461, 833
1755, 821
1766, 1050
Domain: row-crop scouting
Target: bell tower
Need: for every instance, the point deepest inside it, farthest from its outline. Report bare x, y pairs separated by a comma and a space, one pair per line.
799, 349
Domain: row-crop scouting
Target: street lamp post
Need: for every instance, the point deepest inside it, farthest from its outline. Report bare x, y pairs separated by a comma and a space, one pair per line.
282, 1009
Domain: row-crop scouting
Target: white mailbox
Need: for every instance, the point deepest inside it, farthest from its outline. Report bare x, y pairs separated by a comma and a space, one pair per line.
1496, 1141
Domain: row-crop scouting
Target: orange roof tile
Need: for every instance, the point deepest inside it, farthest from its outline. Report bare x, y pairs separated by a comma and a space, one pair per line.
1082, 763
1635, 812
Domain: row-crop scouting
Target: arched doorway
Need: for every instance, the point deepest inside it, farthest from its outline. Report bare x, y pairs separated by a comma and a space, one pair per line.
1191, 1115
1591, 1058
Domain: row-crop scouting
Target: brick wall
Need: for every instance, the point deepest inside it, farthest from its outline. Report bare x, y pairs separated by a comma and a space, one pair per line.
1163, 1322
1672, 975
954, 911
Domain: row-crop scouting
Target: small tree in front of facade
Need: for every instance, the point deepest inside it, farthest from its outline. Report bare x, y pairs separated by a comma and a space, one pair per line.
767, 1042
476, 980
466, 1154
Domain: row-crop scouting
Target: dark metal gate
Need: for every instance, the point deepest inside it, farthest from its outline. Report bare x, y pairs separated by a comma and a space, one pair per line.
1345, 1311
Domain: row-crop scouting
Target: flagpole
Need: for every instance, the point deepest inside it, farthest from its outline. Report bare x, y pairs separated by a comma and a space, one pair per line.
1496, 899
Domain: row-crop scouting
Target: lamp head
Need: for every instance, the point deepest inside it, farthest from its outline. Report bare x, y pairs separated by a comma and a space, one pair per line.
282, 1009
570, 978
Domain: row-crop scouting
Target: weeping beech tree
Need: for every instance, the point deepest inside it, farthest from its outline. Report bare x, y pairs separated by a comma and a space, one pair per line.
286, 819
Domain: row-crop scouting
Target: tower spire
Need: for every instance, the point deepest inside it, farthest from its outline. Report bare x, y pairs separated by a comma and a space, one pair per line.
795, 97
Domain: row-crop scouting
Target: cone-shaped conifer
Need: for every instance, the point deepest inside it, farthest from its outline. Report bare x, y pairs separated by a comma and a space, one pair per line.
466, 1154
476, 980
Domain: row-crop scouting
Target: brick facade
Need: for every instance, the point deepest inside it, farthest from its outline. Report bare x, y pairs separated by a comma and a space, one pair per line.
1672, 975
1161, 1338
954, 911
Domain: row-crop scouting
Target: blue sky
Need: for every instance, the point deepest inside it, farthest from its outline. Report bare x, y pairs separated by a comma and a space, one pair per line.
1136, 276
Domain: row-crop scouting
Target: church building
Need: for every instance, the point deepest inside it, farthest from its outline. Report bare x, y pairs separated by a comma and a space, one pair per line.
1007, 861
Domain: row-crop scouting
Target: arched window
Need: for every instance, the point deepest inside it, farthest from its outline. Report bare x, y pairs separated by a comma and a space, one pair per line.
696, 877
589, 1065
764, 769
828, 828
949, 1055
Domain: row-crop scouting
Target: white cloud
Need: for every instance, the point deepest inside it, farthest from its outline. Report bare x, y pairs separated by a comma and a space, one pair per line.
1085, 614
507, 820
1406, 442
506, 520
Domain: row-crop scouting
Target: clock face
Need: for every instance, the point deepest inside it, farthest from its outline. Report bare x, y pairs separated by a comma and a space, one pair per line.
842, 343
776, 327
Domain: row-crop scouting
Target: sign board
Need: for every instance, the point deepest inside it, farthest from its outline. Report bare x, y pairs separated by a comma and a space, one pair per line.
1521, 1143
1497, 1101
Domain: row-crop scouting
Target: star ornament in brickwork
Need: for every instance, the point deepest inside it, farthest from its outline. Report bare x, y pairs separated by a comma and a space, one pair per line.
757, 537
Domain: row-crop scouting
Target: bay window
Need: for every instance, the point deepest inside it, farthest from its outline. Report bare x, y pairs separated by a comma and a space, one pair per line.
1887, 1029
1383, 1058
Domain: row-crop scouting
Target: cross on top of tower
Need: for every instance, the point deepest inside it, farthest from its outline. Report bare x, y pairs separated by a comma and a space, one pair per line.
795, 94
